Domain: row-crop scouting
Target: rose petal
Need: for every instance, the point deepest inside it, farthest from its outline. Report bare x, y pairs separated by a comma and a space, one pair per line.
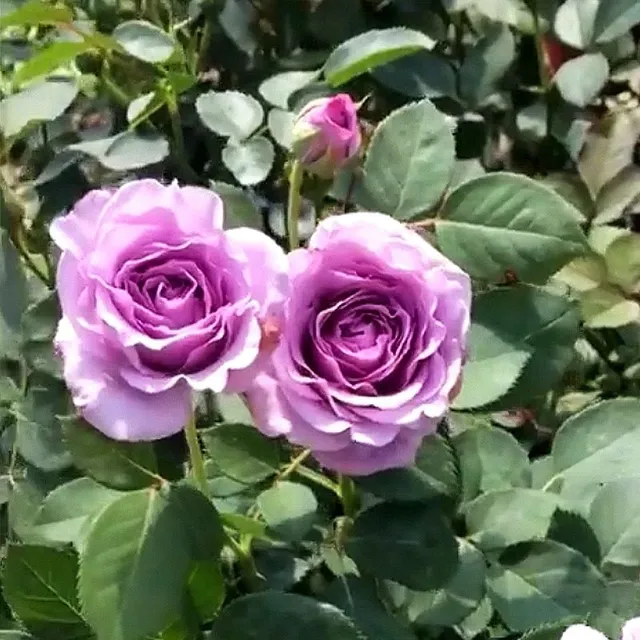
110, 405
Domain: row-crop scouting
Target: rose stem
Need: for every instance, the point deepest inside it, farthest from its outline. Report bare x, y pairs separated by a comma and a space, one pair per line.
348, 495
293, 206
245, 560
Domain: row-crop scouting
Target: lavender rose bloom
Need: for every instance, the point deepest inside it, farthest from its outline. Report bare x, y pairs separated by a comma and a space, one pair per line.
630, 631
371, 348
326, 134
158, 299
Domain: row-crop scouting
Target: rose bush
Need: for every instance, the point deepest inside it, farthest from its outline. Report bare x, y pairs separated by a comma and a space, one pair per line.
158, 299
326, 134
372, 345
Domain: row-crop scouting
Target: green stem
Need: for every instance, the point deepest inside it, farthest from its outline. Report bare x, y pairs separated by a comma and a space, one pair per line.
294, 464
294, 203
318, 478
195, 455
542, 67
179, 149
205, 44
348, 495
245, 560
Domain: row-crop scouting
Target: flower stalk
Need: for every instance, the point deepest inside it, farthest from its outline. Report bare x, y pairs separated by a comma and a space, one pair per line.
196, 459
294, 204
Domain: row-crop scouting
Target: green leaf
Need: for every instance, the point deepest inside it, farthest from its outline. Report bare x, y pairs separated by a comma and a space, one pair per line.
490, 459
580, 80
65, 510
499, 519
54, 56
40, 102
13, 297
623, 604
409, 162
584, 273
120, 465
510, 321
290, 509
144, 106
280, 125
359, 600
608, 150
39, 434
39, 584
615, 518
245, 525
230, 113
433, 474
242, 452
144, 41
574, 22
126, 150
249, 161
371, 49
477, 621
138, 556
277, 89
486, 64
207, 589
455, 600
623, 262
539, 583
239, 209
34, 13
596, 446
606, 307
232, 406
282, 616
281, 567
504, 221
614, 18
421, 75
409, 543
618, 195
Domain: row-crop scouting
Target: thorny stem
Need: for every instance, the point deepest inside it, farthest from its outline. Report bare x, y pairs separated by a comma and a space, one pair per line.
293, 205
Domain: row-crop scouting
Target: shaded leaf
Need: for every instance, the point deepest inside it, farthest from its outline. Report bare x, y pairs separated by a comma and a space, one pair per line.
411, 544
120, 465
241, 452
282, 616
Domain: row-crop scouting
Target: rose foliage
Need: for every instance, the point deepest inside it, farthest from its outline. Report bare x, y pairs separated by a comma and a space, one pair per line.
364, 368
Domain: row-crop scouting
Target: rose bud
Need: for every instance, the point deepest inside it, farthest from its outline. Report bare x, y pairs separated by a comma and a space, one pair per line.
326, 134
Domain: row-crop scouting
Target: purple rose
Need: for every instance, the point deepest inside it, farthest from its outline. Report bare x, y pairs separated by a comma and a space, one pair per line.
158, 299
371, 348
631, 629
326, 134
